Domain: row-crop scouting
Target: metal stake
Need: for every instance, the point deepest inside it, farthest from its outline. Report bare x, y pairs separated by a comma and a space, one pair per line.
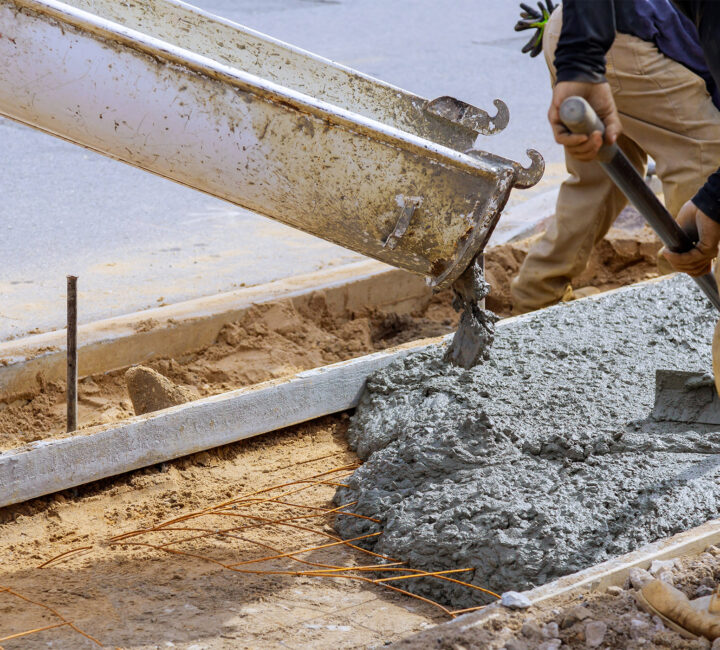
72, 361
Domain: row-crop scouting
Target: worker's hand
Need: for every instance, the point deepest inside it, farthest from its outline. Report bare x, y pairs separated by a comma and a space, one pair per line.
702, 229
599, 96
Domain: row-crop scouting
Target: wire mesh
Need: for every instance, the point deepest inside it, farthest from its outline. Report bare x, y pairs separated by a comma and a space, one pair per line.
249, 535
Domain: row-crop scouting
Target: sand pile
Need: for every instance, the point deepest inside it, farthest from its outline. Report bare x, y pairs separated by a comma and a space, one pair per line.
624, 256
271, 341
541, 461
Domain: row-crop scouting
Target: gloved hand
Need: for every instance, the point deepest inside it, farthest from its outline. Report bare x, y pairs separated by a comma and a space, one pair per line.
533, 19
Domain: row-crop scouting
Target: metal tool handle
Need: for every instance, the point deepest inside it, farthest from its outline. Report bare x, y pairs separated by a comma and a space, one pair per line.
579, 117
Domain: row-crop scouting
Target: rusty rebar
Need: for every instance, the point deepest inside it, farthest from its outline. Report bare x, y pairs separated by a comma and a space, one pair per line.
173, 533
72, 358
64, 621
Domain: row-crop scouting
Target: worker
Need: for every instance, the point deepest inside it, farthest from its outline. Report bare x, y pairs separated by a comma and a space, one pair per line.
667, 107
588, 33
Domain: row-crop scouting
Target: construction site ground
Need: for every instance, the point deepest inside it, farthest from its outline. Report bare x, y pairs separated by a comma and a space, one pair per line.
605, 619
276, 340
142, 596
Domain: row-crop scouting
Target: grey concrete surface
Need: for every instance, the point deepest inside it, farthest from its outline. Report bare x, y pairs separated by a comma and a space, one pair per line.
137, 241
543, 460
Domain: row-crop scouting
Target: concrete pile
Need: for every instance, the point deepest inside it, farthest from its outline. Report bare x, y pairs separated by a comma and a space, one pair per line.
544, 460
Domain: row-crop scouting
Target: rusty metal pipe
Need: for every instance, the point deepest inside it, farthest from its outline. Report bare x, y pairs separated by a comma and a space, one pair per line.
72, 355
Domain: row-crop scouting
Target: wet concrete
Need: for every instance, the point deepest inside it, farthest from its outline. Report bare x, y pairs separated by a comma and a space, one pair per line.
686, 397
544, 459
476, 329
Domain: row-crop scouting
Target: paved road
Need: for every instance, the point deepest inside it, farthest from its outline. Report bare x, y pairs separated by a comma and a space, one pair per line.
137, 241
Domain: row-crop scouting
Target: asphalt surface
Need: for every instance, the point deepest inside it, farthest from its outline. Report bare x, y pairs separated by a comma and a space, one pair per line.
138, 241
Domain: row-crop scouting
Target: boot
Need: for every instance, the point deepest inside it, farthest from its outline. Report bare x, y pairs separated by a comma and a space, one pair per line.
690, 618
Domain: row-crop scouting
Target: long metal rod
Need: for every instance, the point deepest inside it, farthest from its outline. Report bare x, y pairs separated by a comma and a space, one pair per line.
624, 175
579, 117
72, 354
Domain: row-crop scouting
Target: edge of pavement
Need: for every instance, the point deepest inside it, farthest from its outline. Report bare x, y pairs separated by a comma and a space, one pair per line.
177, 329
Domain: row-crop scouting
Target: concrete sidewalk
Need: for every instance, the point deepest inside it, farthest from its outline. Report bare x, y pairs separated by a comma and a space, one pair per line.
138, 241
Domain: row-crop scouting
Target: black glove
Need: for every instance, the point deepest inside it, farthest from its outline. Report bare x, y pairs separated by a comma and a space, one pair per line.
533, 19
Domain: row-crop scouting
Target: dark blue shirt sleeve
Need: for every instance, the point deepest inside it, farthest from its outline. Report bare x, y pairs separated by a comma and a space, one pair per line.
588, 32
706, 16
708, 197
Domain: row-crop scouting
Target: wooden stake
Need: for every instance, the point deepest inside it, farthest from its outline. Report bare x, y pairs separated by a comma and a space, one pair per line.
72, 360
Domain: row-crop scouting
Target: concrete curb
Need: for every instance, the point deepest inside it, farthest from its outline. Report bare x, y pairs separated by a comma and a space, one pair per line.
48, 466
181, 328
177, 329
524, 218
51, 465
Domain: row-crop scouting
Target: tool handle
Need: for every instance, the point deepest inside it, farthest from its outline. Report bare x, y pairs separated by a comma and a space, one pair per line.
579, 117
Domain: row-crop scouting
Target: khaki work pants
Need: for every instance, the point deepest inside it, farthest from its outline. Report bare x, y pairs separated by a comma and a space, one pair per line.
666, 112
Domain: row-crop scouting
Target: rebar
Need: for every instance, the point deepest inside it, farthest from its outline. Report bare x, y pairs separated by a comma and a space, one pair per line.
191, 535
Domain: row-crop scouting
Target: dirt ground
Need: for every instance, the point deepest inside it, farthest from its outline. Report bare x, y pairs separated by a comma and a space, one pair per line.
563, 622
138, 597
186, 594
277, 340
627, 254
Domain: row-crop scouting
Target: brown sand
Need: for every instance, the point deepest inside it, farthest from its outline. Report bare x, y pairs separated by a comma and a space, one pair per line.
277, 340
621, 258
271, 341
134, 597
627, 625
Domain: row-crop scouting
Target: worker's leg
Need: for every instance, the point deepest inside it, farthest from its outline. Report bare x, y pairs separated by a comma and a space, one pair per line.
587, 205
716, 341
667, 110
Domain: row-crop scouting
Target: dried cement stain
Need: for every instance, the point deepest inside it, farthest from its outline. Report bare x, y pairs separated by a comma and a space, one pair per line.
543, 460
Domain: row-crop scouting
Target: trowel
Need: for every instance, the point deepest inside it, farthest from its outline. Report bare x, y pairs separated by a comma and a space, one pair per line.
679, 396
685, 397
